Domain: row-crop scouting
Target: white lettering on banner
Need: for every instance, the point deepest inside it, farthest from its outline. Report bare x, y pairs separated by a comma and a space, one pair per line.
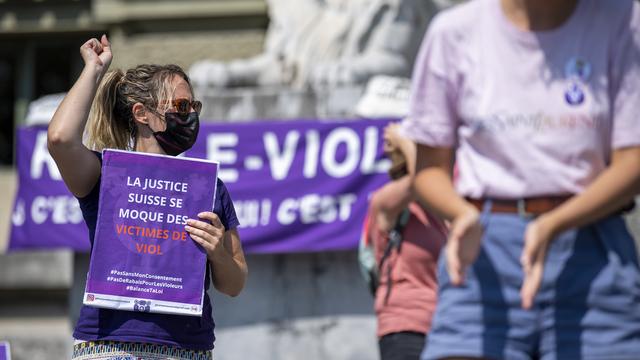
313, 208
286, 212
215, 151
280, 160
252, 213
369, 152
280, 156
18, 217
41, 157
311, 154
62, 210
265, 214
330, 148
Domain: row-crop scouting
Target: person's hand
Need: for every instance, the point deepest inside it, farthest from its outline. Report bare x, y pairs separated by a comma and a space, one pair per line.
391, 137
537, 237
463, 244
209, 236
97, 54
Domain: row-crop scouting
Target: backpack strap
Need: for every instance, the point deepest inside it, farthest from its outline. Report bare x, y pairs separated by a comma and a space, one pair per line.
395, 240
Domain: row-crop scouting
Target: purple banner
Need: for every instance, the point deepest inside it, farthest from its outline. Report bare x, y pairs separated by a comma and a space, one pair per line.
297, 186
5, 351
45, 214
143, 259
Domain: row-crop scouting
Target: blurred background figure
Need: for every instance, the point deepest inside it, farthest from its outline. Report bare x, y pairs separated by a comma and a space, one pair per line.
532, 99
407, 240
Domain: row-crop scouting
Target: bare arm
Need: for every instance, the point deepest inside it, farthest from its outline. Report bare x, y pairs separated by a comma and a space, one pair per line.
80, 168
389, 200
393, 139
230, 268
224, 251
433, 183
611, 190
434, 186
394, 196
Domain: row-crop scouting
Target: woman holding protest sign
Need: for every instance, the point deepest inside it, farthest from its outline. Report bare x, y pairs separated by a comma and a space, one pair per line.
534, 101
150, 109
406, 240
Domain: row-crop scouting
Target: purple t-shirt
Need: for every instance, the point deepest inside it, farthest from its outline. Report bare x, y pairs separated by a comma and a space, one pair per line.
188, 332
529, 113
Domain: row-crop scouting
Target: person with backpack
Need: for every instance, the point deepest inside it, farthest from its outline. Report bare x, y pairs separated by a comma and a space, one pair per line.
406, 240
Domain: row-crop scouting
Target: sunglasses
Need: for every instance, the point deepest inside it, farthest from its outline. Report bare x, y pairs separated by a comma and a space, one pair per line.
184, 105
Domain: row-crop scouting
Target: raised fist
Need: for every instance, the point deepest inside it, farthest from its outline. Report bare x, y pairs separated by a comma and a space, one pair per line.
97, 53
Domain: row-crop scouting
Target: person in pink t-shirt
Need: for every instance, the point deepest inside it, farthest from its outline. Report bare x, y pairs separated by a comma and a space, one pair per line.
537, 102
405, 299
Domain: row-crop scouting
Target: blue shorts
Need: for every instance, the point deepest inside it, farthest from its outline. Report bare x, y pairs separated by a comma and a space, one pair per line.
588, 306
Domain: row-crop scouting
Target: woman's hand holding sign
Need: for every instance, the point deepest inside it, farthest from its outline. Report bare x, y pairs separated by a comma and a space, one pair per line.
209, 236
224, 252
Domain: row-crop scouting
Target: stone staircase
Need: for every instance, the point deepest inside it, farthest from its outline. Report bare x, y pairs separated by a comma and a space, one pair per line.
34, 309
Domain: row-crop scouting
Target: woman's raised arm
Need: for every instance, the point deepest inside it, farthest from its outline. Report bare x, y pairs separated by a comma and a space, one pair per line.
80, 168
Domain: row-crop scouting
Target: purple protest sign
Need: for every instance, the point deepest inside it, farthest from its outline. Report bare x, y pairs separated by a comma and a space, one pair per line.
297, 186
142, 258
5, 351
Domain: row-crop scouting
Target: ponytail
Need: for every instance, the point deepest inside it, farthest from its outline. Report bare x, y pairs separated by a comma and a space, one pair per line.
111, 123
110, 120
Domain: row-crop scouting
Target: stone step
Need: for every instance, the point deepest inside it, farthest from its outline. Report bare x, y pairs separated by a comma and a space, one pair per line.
37, 338
51, 269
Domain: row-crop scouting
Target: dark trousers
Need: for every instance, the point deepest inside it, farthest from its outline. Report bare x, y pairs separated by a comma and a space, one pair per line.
405, 345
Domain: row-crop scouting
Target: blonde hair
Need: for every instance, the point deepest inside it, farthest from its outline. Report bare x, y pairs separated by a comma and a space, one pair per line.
111, 123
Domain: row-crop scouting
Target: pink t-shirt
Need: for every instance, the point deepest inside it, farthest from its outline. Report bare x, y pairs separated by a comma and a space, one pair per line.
529, 113
414, 286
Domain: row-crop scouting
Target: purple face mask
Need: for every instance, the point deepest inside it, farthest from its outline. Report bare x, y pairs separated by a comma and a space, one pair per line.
181, 132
